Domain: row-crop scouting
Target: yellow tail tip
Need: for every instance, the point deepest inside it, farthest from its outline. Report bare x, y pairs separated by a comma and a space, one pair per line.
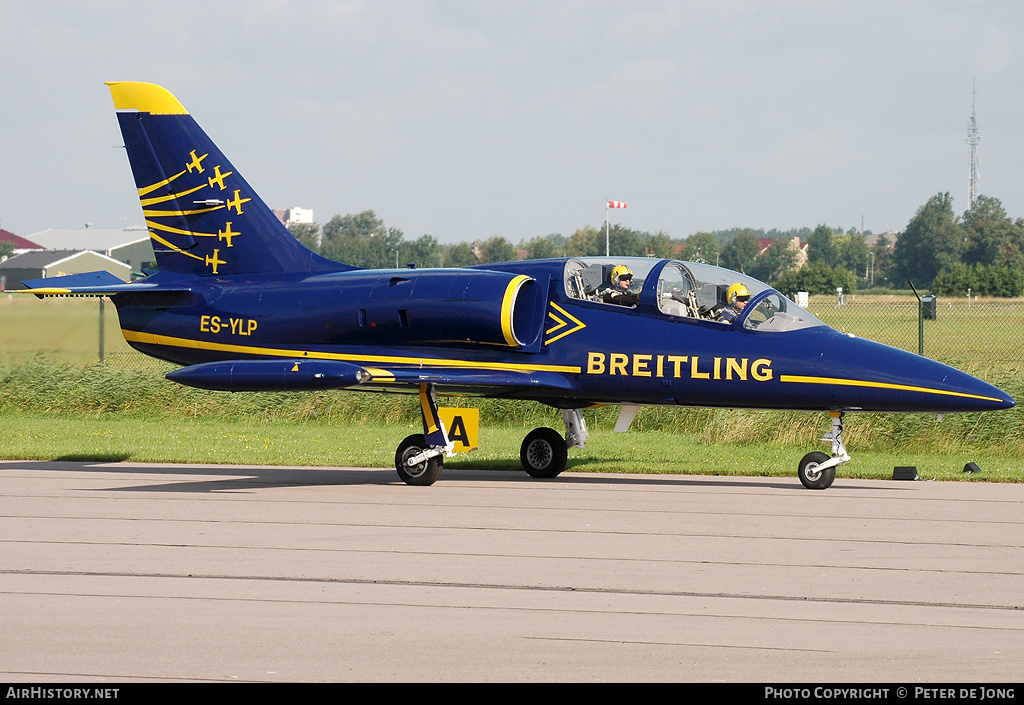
144, 97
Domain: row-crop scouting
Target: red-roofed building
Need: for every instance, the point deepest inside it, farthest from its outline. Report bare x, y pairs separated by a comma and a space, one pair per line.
20, 243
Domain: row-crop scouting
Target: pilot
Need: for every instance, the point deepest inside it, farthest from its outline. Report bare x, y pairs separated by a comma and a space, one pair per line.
618, 292
736, 297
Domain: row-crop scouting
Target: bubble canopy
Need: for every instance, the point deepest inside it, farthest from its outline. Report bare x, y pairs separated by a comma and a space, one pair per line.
686, 290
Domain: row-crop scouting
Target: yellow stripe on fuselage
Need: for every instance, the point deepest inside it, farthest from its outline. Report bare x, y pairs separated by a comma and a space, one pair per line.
801, 379
152, 339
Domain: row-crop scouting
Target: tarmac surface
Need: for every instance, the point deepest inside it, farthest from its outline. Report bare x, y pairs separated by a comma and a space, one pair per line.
123, 572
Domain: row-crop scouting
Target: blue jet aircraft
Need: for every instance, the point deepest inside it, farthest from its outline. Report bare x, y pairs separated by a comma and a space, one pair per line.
243, 306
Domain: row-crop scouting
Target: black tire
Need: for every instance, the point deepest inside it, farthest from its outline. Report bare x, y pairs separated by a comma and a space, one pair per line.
813, 478
543, 453
425, 473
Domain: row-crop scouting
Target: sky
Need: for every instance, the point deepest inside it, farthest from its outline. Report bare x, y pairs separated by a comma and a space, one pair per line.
466, 119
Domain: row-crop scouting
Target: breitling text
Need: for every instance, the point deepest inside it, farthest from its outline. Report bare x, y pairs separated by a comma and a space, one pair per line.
679, 366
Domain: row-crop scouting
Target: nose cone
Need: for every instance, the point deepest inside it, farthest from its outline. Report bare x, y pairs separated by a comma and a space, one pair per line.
869, 376
946, 387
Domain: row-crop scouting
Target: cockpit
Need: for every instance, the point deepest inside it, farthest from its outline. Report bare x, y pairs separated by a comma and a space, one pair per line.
684, 290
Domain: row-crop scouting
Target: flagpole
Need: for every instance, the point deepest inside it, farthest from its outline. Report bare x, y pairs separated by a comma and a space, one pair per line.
607, 249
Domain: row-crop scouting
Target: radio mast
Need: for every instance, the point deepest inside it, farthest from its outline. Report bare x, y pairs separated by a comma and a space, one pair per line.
973, 159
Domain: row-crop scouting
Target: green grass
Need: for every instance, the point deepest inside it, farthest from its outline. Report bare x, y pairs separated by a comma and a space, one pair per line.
241, 442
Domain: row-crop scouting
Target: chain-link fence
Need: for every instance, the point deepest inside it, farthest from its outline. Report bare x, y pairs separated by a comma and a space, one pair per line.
965, 333
77, 330
975, 335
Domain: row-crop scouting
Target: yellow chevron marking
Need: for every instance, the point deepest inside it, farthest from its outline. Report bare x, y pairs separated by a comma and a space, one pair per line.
561, 323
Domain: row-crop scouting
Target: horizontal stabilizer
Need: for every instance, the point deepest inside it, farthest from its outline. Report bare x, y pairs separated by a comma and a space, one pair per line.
100, 283
100, 278
270, 375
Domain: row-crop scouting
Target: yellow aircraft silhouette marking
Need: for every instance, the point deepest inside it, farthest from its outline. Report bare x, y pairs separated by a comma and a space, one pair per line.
196, 162
237, 203
214, 261
227, 234
218, 178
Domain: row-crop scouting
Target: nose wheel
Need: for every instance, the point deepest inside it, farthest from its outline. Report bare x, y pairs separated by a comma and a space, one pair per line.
813, 472
817, 470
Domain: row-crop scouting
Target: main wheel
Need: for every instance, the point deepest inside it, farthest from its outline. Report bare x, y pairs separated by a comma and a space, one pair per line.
812, 477
424, 473
543, 453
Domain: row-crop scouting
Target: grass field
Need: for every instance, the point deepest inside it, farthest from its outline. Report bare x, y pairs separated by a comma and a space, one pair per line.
63, 405
68, 329
240, 442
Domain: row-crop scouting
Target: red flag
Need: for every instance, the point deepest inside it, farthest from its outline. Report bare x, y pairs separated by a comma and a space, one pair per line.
616, 204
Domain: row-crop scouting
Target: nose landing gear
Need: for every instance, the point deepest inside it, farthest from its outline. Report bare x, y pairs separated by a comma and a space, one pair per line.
817, 470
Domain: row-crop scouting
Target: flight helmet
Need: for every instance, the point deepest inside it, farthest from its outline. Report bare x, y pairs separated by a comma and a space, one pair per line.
619, 272
736, 292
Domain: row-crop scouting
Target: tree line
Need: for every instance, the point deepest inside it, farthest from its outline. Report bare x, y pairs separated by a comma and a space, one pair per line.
363, 240
982, 250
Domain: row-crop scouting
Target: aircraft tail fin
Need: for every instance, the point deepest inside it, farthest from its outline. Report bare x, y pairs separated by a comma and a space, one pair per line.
202, 215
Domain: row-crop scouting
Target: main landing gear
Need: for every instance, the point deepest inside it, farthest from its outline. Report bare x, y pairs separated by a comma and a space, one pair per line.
817, 470
413, 463
419, 459
544, 450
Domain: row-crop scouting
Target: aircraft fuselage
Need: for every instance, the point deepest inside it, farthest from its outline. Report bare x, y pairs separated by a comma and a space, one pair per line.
604, 353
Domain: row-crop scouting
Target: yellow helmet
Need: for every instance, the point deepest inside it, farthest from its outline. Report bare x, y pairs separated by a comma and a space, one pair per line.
736, 292
620, 272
